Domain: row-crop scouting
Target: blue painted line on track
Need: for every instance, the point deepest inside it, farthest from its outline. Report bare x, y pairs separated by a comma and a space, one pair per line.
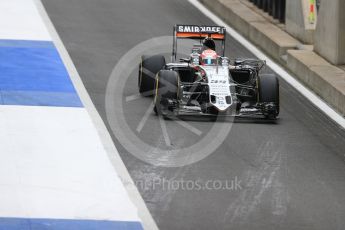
65, 224
26, 43
32, 73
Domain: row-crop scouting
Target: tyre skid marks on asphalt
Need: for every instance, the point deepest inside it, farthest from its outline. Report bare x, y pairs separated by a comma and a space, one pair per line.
148, 176
260, 180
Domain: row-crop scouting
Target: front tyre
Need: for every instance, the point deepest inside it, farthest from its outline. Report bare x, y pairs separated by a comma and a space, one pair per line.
268, 95
166, 92
148, 68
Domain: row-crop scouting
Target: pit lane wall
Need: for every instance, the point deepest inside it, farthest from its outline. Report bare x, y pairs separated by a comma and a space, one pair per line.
55, 172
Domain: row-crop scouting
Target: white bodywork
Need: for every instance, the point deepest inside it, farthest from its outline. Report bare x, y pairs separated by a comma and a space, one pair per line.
219, 85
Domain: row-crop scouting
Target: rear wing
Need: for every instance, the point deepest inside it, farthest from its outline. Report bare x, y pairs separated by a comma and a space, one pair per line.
192, 31
198, 32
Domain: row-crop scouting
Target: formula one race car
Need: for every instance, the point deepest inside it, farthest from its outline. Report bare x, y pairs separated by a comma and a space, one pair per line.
206, 83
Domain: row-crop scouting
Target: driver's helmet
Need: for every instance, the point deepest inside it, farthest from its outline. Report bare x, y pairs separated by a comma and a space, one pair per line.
208, 57
208, 43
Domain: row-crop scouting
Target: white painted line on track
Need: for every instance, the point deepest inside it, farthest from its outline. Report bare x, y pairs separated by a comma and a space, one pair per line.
19, 20
312, 97
114, 157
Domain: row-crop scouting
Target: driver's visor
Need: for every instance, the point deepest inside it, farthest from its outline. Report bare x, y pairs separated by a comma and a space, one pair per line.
210, 61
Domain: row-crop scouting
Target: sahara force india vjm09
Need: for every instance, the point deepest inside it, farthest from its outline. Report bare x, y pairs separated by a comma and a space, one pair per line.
206, 83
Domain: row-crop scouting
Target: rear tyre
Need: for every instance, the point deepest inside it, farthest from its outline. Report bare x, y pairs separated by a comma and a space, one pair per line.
166, 92
148, 68
268, 95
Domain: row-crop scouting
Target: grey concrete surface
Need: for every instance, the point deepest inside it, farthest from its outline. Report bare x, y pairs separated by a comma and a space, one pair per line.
297, 23
292, 172
326, 80
330, 32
